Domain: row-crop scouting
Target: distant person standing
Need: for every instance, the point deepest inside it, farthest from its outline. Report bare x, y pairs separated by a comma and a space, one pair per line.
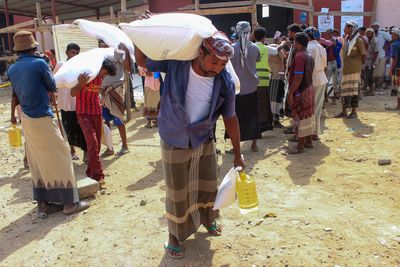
371, 57
263, 89
301, 95
319, 79
244, 61
67, 105
381, 38
54, 182
354, 57
395, 67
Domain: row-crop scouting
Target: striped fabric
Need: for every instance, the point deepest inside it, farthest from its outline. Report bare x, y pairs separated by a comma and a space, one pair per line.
88, 100
277, 94
191, 187
396, 80
303, 113
350, 84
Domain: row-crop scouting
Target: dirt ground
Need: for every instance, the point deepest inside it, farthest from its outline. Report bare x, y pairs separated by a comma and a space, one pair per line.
335, 205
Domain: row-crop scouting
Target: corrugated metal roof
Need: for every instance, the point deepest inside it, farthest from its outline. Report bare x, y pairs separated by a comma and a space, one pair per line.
68, 9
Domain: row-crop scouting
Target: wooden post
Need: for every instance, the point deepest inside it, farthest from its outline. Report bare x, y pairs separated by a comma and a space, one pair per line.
98, 13
53, 10
128, 95
373, 17
39, 17
112, 14
254, 15
197, 4
10, 45
123, 6
311, 13
4, 46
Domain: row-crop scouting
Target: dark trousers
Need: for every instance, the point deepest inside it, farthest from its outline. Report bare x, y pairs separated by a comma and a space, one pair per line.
91, 127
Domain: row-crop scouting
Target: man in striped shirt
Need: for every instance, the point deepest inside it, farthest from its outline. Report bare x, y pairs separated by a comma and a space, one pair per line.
88, 110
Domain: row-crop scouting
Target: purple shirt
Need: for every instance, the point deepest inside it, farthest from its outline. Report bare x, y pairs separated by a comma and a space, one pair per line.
173, 123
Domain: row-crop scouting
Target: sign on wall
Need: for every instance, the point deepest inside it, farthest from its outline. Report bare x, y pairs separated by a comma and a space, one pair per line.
325, 22
64, 34
352, 6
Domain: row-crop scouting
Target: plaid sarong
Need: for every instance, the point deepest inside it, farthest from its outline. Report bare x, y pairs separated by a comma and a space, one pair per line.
277, 95
350, 84
303, 112
191, 187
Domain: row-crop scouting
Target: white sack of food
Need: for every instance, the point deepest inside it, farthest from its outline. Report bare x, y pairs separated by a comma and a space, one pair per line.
106, 137
227, 191
89, 62
175, 36
110, 34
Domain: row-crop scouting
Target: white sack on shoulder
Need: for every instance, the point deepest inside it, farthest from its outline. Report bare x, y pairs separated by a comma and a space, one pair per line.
227, 191
110, 34
89, 62
174, 36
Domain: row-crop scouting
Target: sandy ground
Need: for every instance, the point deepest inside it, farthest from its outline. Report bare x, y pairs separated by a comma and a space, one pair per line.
334, 205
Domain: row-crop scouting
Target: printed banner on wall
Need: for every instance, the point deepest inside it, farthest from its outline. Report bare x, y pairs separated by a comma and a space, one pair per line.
352, 6
325, 23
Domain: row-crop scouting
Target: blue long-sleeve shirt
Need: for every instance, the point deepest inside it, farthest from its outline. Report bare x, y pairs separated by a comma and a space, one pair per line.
32, 80
336, 52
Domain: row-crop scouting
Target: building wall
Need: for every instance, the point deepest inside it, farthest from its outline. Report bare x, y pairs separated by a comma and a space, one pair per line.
159, 6
388, 13
333, 5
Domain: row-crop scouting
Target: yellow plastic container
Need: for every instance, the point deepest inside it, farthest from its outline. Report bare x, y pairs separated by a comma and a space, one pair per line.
247, 192
14, 137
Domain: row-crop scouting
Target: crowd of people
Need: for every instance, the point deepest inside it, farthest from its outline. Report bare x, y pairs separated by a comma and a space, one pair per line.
294, 76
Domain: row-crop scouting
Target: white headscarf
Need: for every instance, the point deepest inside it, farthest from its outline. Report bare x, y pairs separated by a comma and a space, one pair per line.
243, 30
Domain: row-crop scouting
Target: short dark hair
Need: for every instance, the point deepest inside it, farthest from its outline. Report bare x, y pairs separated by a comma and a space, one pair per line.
335, 30
294, 28
28, 51
302, 38
362, 29
109, 66
304, 26
74, 46
259, 33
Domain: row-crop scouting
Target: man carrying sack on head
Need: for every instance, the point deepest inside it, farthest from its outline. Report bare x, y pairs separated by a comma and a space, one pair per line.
48, 154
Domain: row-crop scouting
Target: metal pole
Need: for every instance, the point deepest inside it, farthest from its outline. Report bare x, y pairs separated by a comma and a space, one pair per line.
53, 10
8, 24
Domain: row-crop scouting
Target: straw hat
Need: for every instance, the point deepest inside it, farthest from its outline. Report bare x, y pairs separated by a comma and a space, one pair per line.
24, 40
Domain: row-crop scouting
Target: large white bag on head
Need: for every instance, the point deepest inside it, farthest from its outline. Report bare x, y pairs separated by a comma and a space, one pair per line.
89, 62
227, 191
175, 36
110, 34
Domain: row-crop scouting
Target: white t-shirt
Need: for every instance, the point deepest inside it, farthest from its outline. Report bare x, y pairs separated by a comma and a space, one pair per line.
198, 96
65, 101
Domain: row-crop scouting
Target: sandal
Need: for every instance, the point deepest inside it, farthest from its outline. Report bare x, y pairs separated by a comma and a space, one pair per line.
80, 206
213, 229
75, 157
178, 250
123, 151
352, 116
148, 125
340, 115
293, 139
294, 151
107, 153
49, 208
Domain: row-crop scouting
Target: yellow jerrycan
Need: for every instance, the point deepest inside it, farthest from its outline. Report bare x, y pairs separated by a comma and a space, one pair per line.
247, 193
14, 137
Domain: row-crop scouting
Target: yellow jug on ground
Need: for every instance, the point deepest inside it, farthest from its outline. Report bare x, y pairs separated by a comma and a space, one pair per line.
14, 137
247, 193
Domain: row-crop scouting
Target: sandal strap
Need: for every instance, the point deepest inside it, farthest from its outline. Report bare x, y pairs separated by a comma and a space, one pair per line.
213, 226
176, 249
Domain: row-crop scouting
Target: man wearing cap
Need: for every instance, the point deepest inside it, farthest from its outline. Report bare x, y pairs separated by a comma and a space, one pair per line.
372, 55
353, 58
48, 154
395, 67
381, 38
319, 80
195, 94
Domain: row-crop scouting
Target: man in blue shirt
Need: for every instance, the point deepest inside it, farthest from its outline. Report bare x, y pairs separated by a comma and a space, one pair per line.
195, 94
395, 68
48, 155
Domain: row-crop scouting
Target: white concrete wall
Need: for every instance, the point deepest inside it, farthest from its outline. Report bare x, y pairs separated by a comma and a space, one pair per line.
388, 13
